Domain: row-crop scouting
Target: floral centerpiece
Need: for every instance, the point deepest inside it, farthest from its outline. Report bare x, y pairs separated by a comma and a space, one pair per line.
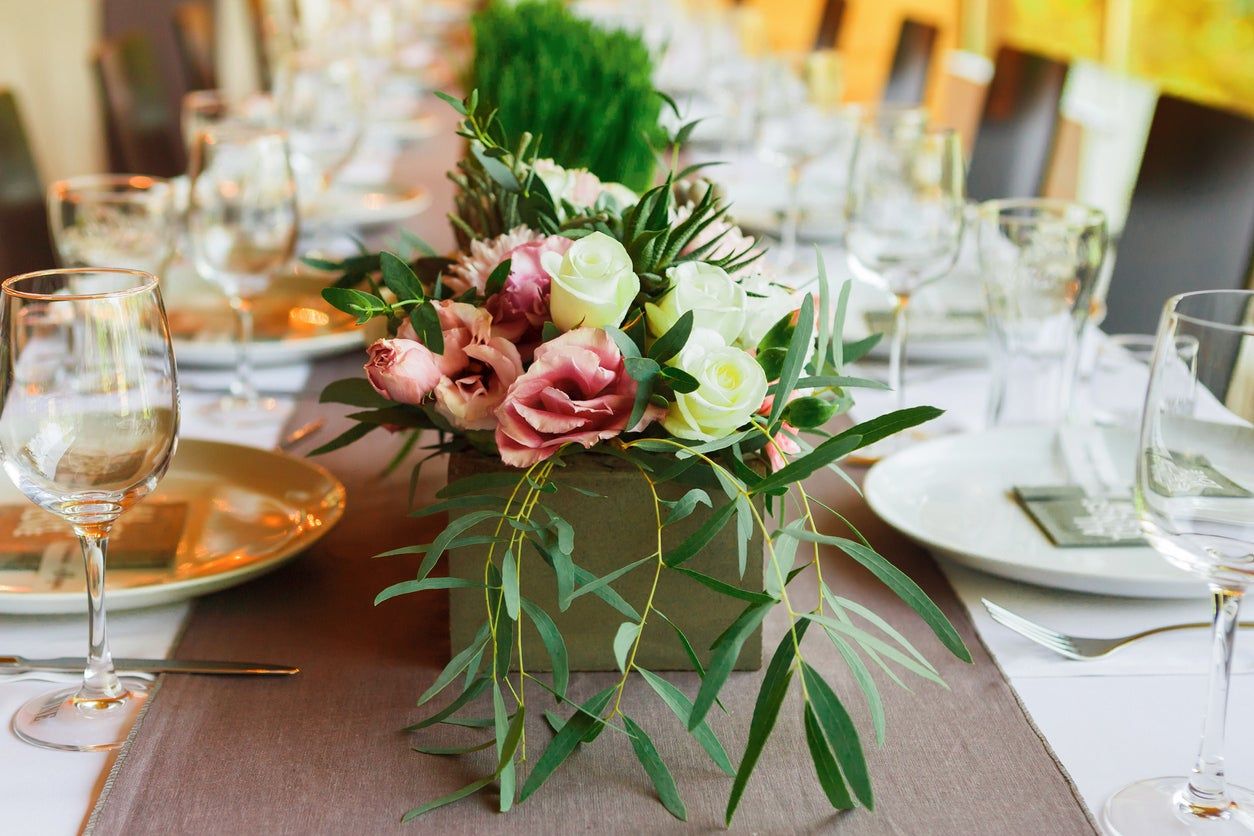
581, 319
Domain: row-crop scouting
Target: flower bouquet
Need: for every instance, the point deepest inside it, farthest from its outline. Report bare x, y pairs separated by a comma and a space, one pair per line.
581, 322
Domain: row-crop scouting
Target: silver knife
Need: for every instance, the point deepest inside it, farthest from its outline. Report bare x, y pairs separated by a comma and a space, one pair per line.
20, 664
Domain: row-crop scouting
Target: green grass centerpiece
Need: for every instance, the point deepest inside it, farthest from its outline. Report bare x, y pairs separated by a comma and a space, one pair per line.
581, 322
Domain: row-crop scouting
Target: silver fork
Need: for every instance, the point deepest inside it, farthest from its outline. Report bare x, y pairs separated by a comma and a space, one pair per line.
1075, 647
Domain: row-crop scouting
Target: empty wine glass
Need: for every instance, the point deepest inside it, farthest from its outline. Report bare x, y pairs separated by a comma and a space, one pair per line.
1040, 259
113, 220
88, 422
792, 139
320, 103
904, 216
1194, 497
242, 225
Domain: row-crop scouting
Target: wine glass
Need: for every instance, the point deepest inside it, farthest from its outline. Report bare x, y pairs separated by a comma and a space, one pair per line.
114, 220
792, 139
1194, 497
1040, 259
88, 423
904, 215
320, 102
242, 225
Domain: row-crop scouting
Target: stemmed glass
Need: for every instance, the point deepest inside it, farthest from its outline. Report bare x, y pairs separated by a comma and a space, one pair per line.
320, 103
1194, 497
792, 139
113, 220
904, 216
88, 423
242, 224
1040, 259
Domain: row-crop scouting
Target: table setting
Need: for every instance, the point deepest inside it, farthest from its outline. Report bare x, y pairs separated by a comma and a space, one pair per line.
515, 413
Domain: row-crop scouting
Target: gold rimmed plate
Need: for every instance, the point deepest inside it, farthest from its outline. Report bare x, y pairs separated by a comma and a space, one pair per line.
222, 515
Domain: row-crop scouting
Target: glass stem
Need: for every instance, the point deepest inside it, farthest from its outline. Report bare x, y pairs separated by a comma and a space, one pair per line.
1206, 794
243, 388
792, 217
897, 351
100, 683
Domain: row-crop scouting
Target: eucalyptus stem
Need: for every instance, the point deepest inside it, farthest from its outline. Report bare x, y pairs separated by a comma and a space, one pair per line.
648, 604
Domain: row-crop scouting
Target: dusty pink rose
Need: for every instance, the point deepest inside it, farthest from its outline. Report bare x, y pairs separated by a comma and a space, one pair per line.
522, 305
402, 370
576, 392
470, 399
463, 325
585, 187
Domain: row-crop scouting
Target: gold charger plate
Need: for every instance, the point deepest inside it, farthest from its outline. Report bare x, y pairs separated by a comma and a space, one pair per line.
230, 513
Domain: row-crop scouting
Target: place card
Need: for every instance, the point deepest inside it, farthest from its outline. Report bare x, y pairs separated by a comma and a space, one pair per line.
33, 540
1185, 474
1071, 518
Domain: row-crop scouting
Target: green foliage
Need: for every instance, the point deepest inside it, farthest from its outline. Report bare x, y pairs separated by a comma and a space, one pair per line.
585, 92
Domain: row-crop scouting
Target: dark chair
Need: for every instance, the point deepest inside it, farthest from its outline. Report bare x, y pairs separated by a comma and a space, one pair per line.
25, 243
907, 80
829, 24
194, 37
143, 130
1015, 139
1190, 224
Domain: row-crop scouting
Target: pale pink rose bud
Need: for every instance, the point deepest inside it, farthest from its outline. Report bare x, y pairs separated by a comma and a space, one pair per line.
402, 370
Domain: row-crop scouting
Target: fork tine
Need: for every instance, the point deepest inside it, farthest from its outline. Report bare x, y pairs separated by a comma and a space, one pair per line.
1032, 631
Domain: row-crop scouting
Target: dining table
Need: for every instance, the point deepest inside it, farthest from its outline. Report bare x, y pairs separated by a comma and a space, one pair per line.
1017, 736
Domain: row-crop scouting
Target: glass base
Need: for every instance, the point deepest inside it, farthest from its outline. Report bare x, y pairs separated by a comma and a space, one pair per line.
56, 721
1155, 808
241, 411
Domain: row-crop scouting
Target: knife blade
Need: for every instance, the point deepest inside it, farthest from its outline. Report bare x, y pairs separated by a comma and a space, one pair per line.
20, 664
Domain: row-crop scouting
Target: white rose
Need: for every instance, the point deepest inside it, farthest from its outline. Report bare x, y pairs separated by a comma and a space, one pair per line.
593, 283
716, 302
731, 387
766, 306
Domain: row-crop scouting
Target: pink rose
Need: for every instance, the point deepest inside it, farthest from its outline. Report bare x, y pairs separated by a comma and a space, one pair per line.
402, 370
463, 325
469, 401
521, 307
585, 187
576, 392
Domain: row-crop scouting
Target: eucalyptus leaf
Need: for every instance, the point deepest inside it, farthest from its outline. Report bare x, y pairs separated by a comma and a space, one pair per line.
798, 346
565, 741
723, 588
699, 539
765, 711
508, 771
624, 638
509, 584
472, 690
725, 653
659, 775
399, 277
825, 764
672, 342
455, 666
553, 643
840, 733
406, 587
354, 391
679, 703
353, 433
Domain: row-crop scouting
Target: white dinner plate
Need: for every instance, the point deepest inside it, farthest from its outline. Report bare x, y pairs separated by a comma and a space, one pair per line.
292, 323
235, 513
352, 205
952, 496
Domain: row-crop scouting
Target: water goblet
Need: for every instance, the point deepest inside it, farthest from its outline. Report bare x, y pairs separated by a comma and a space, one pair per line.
1040, 260
114, 220
88, 423
242, 226
1194, 498
904, 217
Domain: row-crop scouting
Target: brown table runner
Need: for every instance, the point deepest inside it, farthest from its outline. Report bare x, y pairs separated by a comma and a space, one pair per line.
322, 752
